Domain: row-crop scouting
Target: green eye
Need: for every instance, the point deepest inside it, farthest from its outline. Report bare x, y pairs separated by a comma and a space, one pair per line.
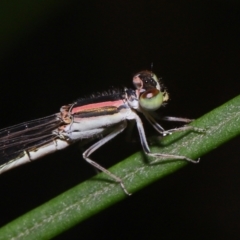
152, 99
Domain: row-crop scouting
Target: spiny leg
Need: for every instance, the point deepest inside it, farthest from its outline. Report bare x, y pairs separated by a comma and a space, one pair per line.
176, 119
147, 149
171, 157
184, 128
161, 130
118, 129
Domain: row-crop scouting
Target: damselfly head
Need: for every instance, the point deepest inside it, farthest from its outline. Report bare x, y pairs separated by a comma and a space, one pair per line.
148, 90
146, 80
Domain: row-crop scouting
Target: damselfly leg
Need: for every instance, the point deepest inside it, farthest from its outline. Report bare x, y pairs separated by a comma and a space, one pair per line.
86, 155
117, 130
163, 132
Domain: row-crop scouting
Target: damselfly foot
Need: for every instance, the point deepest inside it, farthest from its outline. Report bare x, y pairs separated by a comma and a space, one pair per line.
169, 157
184, 128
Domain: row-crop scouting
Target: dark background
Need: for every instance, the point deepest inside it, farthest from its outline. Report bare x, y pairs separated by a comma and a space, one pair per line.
79, 48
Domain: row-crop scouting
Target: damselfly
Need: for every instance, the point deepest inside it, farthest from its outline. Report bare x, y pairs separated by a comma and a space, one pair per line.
101, 116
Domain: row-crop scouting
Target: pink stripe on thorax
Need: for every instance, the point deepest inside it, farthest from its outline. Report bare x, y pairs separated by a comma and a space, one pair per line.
117, 103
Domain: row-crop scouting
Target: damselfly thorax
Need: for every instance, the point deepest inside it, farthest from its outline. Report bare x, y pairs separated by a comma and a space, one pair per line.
103, 115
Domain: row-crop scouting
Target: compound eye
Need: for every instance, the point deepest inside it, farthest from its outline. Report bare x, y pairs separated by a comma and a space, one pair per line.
151, 99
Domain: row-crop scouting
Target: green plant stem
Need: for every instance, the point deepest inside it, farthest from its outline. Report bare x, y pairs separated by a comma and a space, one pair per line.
99, 192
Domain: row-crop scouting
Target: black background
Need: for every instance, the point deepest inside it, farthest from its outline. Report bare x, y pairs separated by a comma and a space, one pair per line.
88, 47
